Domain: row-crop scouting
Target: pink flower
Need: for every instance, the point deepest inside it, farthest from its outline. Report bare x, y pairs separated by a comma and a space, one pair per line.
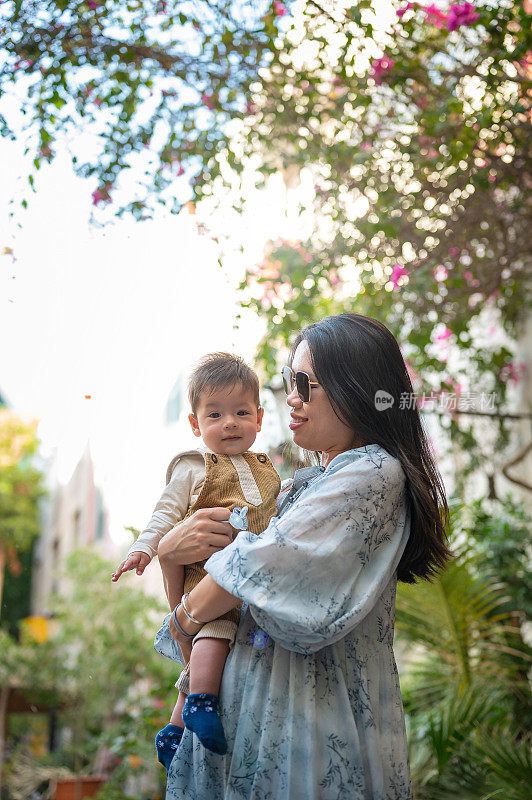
208, 101
181, 170
334, 280
279, 9
97, 102
454, 251
101, 194
441, 337
440, 273
93, 5
512, 372
402, 11
380, 66
366, 146
435, 16
461, 14
397, 273
22, 62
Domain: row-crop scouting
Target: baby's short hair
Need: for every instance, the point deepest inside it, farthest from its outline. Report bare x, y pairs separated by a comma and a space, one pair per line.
218, 371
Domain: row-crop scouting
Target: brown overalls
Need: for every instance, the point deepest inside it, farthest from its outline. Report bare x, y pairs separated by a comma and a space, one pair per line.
248, 480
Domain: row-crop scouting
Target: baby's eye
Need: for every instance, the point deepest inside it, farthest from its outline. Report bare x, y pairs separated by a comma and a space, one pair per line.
242, 412
214, 414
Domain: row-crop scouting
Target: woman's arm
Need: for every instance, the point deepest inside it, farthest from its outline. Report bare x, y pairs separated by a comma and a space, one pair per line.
198, 537
317, 570
205, 602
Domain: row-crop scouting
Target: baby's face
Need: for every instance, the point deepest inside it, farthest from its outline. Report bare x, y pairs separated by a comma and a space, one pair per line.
227, 420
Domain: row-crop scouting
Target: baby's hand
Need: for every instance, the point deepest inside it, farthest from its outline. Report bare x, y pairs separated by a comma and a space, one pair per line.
138, 561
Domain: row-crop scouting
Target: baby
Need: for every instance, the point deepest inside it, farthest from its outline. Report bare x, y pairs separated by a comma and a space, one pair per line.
224, 398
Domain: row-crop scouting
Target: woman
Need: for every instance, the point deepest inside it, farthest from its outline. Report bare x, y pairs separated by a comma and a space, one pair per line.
310, 697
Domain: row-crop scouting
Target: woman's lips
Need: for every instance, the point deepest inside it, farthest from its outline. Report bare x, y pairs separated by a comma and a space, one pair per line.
297, 422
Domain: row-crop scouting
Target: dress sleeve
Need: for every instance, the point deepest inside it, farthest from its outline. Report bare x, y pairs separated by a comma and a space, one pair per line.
185, 472
166, 645
319, 568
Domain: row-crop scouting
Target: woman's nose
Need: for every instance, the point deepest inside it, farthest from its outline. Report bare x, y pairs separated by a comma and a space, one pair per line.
293, 399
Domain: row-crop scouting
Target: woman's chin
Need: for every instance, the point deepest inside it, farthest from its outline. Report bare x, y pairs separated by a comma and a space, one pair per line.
301, 440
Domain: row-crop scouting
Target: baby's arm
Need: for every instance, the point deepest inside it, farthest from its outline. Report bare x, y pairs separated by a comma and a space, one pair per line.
182, 476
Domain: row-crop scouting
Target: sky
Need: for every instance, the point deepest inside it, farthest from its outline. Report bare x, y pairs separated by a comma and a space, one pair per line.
117, 313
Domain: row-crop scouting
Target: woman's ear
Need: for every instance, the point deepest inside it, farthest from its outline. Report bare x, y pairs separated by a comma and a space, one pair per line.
194, 425
260, 414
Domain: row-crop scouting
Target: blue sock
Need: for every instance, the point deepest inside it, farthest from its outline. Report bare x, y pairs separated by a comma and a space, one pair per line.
167, 742
200, 714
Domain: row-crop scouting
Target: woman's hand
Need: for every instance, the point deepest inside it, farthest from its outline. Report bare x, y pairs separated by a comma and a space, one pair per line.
199, 536
196, 538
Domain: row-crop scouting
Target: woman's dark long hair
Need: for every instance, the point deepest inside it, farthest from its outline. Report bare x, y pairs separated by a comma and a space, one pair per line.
357, 361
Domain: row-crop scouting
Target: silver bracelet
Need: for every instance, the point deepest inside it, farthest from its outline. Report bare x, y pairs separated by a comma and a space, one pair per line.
187, 612
178, 626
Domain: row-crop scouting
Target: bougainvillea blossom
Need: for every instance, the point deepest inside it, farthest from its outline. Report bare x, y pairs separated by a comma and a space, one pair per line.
461, 14
397, 273
380, 66
101, 194
435, 16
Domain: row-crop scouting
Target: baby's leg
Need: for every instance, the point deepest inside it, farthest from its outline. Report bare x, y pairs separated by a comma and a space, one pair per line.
200, 712
207, 665
174, 582
174, 585
168, 739
176, 718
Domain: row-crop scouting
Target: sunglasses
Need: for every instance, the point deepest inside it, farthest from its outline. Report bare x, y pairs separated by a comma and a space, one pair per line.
301, 381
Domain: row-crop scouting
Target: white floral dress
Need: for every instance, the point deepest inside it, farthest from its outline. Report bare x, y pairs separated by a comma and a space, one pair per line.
310, 698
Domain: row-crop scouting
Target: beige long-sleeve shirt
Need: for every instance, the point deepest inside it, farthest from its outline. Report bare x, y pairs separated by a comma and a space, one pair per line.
185, 484
185, 479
